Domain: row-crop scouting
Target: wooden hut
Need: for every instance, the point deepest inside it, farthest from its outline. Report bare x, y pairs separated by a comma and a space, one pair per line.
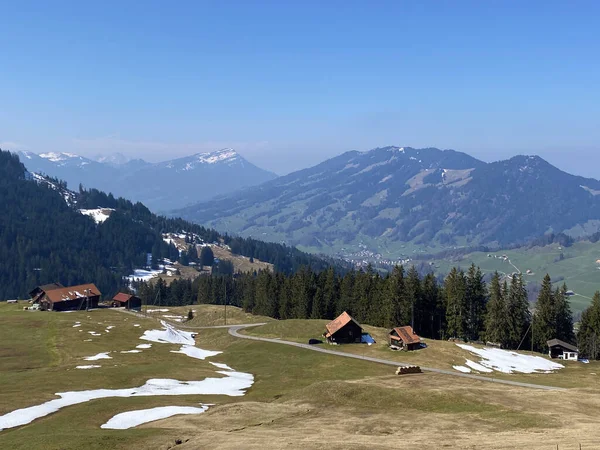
562, 350
404, 338
343, 330
126, 301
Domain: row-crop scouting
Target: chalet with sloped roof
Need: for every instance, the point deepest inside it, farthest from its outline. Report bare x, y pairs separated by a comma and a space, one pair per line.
70, 298
404, 338
343, 330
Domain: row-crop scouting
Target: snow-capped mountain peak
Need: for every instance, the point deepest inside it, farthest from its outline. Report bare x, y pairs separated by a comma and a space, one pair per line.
226, 154
56, 157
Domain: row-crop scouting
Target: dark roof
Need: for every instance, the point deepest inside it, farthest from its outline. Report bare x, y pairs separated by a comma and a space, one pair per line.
122, 297
338, 323
559, 343
46, 287
406, 335
72, 293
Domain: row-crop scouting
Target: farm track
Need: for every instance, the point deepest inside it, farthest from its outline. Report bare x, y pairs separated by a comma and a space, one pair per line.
234, 330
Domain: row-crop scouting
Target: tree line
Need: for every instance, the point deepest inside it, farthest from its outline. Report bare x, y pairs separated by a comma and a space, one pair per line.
462, 306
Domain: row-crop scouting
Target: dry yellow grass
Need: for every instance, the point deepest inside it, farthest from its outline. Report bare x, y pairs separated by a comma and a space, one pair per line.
240, 263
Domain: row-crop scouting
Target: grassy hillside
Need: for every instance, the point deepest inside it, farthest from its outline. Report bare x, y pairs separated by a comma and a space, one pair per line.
299, 399
577, 266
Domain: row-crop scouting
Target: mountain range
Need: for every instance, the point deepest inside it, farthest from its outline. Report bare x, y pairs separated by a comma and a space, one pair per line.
161, 186
395, 200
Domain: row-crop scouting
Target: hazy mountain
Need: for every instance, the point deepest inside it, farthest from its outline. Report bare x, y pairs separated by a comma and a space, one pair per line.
114, 159
387, 197
161, 186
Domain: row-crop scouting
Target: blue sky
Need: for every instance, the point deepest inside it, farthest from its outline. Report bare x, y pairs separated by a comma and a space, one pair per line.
289, 84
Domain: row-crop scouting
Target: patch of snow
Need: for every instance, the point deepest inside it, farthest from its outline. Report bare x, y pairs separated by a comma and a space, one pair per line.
143, 275
233, 384
221, 366
91, 366
478, 367
143, 346
97, 357
131, 419
169, 335
136, 324
384, 179
195, 352
157, 310
506, 361
462, 369
132, 351
99, 215
76, 325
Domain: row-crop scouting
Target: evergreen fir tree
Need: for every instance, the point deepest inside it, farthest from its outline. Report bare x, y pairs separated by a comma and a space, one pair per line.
496, 321
519, 316
455, 291
588, 337
544, 317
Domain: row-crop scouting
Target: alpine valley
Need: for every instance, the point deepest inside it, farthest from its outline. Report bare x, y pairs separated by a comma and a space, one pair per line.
160, 186
395, 201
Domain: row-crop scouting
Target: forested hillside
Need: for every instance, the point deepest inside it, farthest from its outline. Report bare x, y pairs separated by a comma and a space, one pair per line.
44, 239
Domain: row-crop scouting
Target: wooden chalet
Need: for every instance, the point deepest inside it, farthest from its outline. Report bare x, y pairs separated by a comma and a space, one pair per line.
68, 298
404, 338
127, 301
343, 330
562, 350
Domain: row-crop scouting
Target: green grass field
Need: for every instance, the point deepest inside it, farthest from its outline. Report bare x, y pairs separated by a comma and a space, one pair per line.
299, 399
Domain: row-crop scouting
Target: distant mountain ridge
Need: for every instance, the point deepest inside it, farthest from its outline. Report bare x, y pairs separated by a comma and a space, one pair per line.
395, 195
161, 186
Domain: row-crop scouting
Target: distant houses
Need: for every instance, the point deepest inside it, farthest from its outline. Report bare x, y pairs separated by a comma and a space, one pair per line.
343, 330
562, 350
404, 338
127, 301
56, 297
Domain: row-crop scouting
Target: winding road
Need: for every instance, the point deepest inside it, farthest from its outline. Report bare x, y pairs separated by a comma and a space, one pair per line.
234, 330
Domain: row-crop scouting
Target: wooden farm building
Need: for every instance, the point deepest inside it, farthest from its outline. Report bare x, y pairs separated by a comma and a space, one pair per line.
562, 350
67, 298
343, 330
127, 301
404, 338
44, 288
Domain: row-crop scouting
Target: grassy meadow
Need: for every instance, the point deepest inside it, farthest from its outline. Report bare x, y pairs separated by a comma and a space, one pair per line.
299, 398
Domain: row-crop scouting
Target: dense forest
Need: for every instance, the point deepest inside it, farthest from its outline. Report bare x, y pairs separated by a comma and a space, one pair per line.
44, 239
463, 306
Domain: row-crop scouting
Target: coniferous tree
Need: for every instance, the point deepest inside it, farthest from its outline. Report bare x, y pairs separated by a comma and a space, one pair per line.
564, 316
412, 304
519, 316
455, 291
476, 297
588, 337
544, 317
496, 321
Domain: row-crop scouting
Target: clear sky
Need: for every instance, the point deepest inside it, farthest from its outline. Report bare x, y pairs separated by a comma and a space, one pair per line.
289, 84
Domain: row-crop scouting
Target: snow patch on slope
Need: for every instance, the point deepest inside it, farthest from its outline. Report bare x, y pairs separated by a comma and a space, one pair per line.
99, 214
510, 362
132, 419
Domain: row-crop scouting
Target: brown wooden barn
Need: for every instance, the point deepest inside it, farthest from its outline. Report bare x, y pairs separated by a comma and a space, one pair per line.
35, 293
343, 330
127, 301
404, 338
68, 298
